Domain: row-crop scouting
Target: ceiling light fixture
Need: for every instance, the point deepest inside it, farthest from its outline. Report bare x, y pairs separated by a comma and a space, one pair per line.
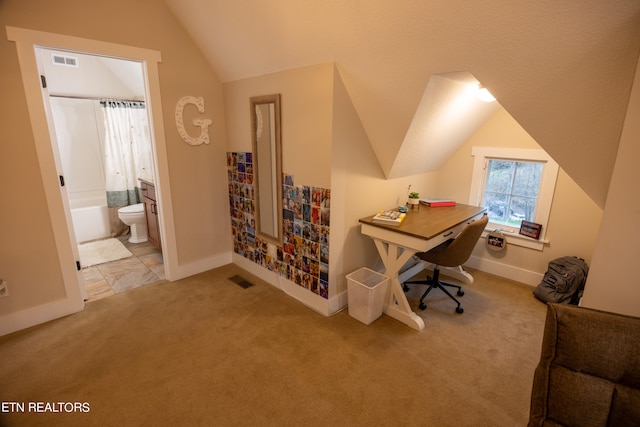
484, 95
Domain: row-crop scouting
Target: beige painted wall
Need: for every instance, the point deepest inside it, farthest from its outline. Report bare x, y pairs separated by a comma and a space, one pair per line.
359, 189
306, 98
28, 258
612, 284
359, 186
574, 220
315, 134
325, 145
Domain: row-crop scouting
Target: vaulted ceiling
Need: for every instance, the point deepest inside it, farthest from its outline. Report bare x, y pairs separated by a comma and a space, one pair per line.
563, 70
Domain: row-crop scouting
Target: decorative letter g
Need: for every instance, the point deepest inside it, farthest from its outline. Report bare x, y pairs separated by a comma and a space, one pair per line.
203, 123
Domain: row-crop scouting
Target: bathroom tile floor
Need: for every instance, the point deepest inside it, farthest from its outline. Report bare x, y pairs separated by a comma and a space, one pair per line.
143, 268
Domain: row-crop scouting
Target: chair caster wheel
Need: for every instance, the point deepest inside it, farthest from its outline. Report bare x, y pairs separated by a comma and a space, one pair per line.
459, 310
460, 293
422, 306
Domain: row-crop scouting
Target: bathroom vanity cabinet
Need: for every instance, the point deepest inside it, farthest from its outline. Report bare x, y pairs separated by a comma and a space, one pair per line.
151, 212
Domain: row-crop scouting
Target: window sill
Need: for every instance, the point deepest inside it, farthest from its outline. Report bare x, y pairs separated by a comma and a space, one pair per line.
519, 240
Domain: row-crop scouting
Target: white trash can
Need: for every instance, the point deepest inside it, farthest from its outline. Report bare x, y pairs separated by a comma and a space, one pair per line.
366, 292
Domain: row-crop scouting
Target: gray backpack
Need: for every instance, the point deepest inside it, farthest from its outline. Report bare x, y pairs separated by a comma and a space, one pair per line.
564, 281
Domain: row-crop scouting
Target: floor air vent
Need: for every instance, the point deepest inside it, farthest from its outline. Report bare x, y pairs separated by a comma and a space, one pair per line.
241, 281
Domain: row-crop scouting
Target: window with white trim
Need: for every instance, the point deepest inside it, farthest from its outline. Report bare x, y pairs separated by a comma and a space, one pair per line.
514, 185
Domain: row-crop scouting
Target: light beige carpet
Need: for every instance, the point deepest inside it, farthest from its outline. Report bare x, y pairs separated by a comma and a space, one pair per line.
204, 351
101, 251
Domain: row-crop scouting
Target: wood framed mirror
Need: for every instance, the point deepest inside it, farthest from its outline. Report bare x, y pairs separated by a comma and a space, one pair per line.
267, 166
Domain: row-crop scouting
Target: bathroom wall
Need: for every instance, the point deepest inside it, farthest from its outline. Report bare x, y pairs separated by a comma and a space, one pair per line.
79, 122
79, 130
93, 76
78, 119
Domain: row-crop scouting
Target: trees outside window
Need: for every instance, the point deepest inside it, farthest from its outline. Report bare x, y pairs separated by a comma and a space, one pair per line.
514, 185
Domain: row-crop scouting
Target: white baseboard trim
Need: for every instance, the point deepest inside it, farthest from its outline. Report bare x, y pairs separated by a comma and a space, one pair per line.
40, 314
200, 266
331, 306
325, 307
510, 272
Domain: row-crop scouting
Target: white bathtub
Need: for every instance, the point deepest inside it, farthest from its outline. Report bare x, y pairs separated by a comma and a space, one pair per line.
90, 222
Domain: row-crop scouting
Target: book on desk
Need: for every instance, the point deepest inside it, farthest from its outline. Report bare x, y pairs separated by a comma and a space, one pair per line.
389, 217
435, 203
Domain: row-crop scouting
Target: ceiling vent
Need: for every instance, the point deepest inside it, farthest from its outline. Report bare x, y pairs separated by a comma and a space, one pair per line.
69, 61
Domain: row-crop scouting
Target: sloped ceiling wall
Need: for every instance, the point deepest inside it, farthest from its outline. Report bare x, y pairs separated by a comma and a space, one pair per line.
449, 113
118, 78
563, 70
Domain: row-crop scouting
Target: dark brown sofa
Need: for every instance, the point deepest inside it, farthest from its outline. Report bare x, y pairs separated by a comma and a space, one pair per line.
589, 370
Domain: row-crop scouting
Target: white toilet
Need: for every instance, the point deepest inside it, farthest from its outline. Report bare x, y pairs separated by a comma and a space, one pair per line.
133, 216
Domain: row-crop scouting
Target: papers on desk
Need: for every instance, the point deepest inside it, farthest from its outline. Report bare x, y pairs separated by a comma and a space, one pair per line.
389, 217
434, 203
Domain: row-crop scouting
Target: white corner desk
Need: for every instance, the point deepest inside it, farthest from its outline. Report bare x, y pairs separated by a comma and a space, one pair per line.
423, 229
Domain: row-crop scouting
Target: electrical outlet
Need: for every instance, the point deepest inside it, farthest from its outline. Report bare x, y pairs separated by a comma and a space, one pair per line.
4, 290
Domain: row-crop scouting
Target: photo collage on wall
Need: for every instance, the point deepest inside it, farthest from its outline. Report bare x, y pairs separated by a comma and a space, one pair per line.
304, 256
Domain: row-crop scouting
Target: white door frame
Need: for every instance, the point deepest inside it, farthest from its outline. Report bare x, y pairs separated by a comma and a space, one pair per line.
26, 43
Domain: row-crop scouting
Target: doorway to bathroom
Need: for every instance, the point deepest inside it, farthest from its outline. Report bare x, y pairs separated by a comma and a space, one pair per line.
103, 143
27, 41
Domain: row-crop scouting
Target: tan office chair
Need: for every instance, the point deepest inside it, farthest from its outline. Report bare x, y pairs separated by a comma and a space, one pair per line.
452, 253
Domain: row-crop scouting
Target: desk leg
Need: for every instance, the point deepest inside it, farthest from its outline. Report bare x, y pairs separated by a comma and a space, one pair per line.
396, 305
